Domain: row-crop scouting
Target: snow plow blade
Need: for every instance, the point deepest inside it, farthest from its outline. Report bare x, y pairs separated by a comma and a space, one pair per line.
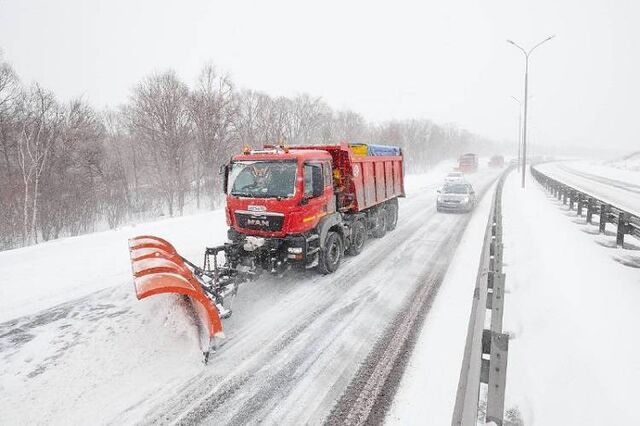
158, 268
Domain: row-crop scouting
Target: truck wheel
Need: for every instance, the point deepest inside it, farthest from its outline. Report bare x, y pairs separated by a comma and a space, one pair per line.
392, 215
358, 237
331, 255
380, 227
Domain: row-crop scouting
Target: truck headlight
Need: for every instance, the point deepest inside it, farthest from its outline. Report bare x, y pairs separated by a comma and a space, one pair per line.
295, 250
439, 198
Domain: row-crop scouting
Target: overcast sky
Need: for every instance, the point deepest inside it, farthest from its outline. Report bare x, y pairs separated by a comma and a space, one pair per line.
447, 60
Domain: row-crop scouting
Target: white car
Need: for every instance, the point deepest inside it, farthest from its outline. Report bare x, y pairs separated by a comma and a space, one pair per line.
454, 177
456, 197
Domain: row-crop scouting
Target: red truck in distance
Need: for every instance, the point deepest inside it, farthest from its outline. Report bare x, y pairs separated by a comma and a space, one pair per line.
468, 163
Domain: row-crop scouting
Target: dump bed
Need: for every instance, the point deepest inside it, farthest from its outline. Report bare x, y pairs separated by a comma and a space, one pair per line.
362, 181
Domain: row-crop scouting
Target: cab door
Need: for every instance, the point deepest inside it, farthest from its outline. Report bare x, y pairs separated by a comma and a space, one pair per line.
317, 192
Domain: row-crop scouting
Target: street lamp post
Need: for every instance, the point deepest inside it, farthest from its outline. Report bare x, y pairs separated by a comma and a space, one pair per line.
519, 128
526, 96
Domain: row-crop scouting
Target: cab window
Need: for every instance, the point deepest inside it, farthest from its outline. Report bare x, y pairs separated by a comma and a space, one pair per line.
328, 173
313, 180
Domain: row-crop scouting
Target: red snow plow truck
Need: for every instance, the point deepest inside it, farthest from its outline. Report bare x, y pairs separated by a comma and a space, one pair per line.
298, 207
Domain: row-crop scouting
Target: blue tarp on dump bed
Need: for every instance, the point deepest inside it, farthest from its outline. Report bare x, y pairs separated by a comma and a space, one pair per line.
383, 150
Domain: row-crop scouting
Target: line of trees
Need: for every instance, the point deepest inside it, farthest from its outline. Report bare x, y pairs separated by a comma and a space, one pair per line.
68, 169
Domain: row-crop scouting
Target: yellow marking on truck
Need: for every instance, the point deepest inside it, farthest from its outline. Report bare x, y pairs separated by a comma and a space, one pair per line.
316, 216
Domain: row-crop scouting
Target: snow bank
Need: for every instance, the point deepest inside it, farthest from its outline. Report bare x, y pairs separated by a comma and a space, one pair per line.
573, 315
38, 277
427, 392
629, 162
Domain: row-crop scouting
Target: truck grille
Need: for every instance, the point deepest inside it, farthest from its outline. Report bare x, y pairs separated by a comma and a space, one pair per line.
260, 221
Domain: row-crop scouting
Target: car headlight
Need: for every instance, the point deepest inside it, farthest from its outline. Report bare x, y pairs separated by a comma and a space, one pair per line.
465, 200
439, 198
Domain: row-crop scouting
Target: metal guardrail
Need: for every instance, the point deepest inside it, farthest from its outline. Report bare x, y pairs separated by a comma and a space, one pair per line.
485, 353
626, 223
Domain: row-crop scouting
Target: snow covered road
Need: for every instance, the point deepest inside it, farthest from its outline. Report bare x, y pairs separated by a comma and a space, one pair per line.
614, 186
293, 344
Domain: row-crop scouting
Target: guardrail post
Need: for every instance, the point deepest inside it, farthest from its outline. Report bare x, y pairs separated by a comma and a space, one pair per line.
564, 197
497, 377
590, 208
622, 229
603, 217
571, 199
579, 204
497, 302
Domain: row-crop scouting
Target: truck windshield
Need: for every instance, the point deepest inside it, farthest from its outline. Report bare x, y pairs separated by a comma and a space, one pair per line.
263, 179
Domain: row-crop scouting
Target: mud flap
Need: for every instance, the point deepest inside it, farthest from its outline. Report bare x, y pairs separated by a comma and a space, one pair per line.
158, 268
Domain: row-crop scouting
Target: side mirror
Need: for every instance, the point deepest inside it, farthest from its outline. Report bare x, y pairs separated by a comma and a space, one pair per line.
224, 171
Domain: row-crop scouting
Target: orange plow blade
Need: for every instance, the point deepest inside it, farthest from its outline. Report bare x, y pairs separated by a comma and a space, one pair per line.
158, 268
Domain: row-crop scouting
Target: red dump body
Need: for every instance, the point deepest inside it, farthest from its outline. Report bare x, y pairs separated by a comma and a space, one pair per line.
364, 181
352, 183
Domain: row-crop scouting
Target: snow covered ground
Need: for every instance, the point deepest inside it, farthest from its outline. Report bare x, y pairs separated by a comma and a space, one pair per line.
108, 358
572, 311
427, 392
628, 162
615, 186
44, 275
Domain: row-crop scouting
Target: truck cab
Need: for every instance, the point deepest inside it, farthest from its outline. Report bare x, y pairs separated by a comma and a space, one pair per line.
275, 193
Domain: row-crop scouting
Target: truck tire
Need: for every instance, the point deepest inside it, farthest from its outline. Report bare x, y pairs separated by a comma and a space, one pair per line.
331, 254
392, 214
358, 238
380, 223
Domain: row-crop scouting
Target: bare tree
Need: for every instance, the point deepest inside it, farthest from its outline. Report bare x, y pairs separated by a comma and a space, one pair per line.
213, 110
305, 118
41, 119
75, 173
10, 190
159, 119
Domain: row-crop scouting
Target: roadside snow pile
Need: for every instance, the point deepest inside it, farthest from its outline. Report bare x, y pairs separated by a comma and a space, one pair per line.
628, 162
41, 276
572, 312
